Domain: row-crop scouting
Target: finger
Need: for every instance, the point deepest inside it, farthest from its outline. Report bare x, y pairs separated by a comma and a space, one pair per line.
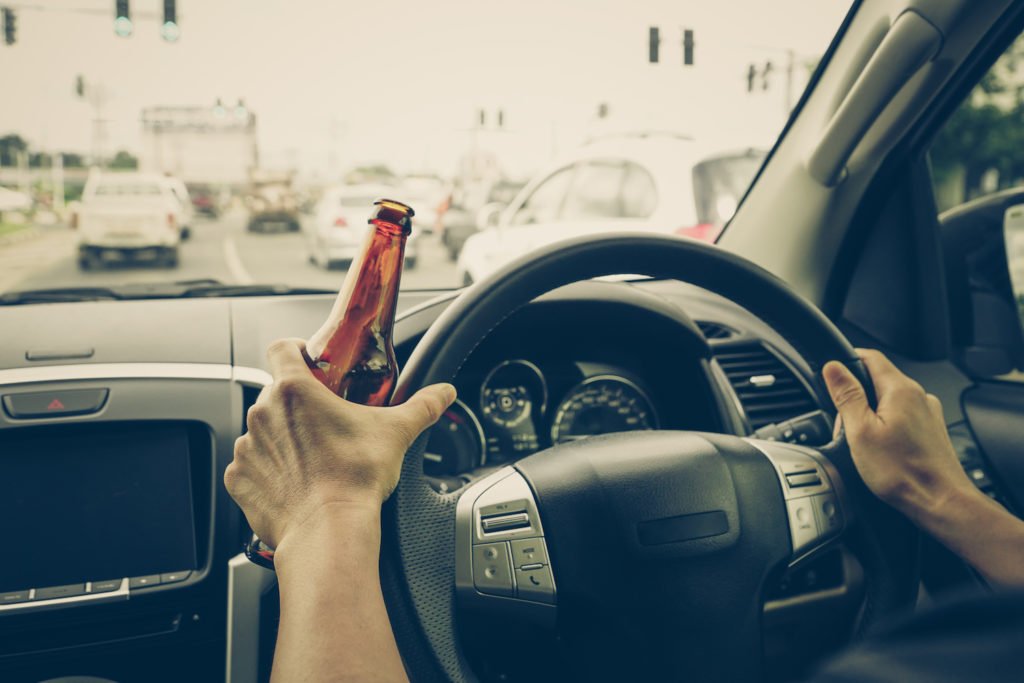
884, 374
848, 395
837, 428
287, 359
424, 408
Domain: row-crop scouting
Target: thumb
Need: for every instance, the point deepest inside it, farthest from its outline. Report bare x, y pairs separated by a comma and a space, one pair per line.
424, 408
848, 395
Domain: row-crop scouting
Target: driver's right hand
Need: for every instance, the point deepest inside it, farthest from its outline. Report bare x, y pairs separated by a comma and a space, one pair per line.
902, 449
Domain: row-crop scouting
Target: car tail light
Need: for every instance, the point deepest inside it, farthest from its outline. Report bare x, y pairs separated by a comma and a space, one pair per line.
172, 222
705, 232
340, 222
74, 221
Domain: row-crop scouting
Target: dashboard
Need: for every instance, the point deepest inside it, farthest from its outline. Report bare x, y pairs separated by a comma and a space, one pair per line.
557, 372
144, 401
515, 411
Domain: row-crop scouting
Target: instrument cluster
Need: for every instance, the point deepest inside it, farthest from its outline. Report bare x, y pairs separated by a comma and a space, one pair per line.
518, 408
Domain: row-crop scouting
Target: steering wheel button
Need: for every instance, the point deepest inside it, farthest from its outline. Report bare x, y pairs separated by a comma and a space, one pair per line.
492, 572
535, 584
529, 551
803, 529
518, 520
801, 480
826, 509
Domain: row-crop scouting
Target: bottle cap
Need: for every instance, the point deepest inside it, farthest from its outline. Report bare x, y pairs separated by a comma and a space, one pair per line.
390, 211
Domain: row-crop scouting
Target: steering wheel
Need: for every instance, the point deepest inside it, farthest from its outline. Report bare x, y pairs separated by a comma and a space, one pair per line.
649, 552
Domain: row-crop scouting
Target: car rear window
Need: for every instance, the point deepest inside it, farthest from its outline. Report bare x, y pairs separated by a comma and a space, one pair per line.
127, 190
720, 182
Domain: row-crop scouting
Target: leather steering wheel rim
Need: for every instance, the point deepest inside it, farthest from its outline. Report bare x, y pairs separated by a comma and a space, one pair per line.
417, 559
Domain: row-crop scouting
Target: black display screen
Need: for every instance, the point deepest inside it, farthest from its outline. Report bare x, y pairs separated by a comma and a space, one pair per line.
95, 505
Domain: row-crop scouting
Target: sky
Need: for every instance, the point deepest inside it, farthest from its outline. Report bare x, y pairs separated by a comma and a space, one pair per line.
339, 83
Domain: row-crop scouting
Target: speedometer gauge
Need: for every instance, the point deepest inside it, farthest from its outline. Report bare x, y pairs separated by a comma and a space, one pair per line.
512, 400
601, 405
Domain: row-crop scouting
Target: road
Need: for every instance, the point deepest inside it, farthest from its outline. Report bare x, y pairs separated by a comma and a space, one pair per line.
219, 249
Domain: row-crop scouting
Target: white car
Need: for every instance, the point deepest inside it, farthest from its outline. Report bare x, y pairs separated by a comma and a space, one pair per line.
186, 213
647, 182
340, 225
128, 216
424, 193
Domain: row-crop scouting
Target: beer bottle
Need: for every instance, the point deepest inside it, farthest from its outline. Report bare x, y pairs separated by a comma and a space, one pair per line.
353, 353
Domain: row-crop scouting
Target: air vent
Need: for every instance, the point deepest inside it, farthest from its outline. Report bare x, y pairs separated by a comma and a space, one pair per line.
769, 391
715, 330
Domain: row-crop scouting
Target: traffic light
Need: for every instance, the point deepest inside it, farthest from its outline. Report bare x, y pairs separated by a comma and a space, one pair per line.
501, 118
169, 30
768, 68
751, 75
687, 47
122, 19
80, 85
10, 26
653, 44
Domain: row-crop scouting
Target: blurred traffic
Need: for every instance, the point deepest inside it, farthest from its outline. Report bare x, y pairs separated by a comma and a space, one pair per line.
264, 169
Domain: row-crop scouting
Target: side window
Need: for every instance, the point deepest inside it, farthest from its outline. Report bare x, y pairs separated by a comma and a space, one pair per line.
545, 202
639, 196
595, 192
977, 167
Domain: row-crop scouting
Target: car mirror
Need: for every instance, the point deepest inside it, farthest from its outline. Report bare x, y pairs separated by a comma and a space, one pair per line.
489, 216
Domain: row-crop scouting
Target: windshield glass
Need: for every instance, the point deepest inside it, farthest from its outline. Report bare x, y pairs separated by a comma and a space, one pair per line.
244, 143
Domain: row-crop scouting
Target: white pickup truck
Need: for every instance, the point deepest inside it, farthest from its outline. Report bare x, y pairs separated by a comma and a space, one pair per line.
128, 216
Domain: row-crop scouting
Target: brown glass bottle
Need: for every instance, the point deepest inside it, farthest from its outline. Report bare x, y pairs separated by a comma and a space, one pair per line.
353, 353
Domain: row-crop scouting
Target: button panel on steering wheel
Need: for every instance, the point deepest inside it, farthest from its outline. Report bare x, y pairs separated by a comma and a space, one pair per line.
812, 500
502, 558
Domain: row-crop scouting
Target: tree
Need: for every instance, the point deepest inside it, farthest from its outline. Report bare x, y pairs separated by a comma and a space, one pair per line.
124, 160
10, 146
985, 135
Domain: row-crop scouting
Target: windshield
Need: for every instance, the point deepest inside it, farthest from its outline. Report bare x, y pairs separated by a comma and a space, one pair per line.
244, 143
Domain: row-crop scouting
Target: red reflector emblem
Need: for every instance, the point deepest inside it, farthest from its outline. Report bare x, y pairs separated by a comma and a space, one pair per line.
55, 404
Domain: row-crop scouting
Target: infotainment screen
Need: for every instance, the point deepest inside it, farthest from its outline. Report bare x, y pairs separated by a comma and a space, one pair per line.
93, 505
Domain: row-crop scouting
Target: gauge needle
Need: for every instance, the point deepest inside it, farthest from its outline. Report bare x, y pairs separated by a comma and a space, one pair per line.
433, 457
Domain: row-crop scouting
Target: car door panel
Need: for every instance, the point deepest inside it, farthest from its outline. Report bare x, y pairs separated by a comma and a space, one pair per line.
995, 414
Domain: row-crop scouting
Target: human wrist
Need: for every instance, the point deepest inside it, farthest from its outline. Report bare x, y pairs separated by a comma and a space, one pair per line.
950, 516
351, 528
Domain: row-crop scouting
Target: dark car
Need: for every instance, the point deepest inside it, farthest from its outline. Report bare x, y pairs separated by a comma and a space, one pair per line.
461, 219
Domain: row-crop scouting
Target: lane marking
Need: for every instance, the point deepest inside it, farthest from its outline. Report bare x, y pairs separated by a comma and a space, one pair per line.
234, 262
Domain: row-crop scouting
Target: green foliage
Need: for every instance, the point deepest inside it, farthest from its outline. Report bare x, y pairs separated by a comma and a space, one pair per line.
10, 145
124, 161
984, 135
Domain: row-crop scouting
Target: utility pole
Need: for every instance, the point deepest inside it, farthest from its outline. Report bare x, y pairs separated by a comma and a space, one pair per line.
57, 179
790, 65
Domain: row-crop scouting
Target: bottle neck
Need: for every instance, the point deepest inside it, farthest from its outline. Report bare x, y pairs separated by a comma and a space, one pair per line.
366, 304
380, 274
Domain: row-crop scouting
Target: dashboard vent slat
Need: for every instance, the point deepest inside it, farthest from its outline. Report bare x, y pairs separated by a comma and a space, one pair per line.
775, 395
713, 330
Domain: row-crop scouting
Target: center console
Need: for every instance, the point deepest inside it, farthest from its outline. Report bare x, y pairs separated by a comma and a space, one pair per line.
112, 566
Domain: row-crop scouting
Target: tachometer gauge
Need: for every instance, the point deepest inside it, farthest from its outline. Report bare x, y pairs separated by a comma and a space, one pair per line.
512, 395
601, 405
456, 443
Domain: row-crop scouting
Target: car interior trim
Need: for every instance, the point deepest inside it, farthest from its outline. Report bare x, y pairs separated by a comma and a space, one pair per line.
35, 605
70, 373
246, 583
